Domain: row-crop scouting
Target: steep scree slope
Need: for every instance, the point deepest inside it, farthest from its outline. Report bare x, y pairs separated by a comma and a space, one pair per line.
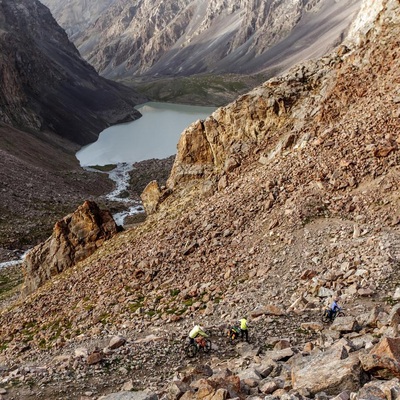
306, 206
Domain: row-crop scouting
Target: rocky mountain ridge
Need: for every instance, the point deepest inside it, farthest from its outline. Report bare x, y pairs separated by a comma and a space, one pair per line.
157, 38
275, 203
47, 86
76, 15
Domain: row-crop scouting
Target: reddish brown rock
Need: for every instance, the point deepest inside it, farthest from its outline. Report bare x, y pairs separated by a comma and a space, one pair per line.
384, 359
150, 197
74, 238
95, 357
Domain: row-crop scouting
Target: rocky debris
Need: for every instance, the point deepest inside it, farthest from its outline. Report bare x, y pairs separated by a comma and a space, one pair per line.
314, 220
146, 171
383, 360
126, 395
95, 357
156, 366
74, 238
254, 35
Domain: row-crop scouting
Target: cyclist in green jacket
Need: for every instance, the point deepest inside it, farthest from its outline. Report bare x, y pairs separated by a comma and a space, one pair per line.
244, 329
196, 331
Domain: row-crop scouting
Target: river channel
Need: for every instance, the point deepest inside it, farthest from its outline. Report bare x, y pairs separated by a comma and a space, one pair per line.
154, 135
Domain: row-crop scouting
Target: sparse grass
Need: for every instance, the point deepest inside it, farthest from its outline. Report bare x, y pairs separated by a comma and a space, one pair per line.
151, 313
10, 281
302, 331
217, 300
189, 302
390, 301
215, 90
3, 346
133, 307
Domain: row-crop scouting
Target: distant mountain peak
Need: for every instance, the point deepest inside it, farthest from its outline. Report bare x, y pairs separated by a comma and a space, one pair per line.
186, 37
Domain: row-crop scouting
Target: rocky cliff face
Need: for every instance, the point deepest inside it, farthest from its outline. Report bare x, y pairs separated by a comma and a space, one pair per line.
277, 115
74, 238
76, 15
46, 85
155, 37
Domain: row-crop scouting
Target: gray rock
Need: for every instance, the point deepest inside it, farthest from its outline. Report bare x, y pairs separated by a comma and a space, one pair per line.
140, 395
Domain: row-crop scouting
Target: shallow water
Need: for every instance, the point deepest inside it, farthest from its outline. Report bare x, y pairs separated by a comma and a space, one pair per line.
154, 135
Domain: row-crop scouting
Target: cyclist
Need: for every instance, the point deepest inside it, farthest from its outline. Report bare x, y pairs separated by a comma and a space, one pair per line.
197, 330
244, 329
334, 307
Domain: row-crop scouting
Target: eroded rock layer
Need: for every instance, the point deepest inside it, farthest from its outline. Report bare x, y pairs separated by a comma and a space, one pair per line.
74, 238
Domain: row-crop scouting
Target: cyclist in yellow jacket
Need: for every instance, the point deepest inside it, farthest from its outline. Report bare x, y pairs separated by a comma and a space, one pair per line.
196, 331
244, 329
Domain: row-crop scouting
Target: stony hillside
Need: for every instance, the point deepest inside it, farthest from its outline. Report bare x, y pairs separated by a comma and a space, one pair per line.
186, 37
47, 86
275, 203
40, 181
51, 102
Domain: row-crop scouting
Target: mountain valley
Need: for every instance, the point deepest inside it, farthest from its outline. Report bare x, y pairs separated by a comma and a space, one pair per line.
186, 41
279, 201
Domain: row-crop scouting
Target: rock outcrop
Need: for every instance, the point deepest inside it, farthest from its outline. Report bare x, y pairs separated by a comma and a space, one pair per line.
74, 238
277, 116
151, 197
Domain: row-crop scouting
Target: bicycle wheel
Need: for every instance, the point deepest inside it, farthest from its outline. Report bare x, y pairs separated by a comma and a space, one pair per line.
340, 314
191, 350
207, 347
325, 317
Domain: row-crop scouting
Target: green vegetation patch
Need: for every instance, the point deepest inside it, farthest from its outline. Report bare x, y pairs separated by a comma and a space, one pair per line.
133, 307
10, 281
215, 90
174, 292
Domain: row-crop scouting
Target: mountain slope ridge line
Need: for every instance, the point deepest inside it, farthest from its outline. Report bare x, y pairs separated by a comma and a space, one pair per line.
299, 204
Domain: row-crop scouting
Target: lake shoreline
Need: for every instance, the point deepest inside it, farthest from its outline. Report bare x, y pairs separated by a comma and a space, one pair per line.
154, 135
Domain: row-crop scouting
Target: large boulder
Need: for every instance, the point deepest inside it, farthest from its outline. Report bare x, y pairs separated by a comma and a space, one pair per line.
151, 196
74, 238
383, 361
330, 371
138, 395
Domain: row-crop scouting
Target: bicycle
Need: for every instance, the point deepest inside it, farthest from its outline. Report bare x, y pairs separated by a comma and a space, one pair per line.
233, 334
326, 317
200, 344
